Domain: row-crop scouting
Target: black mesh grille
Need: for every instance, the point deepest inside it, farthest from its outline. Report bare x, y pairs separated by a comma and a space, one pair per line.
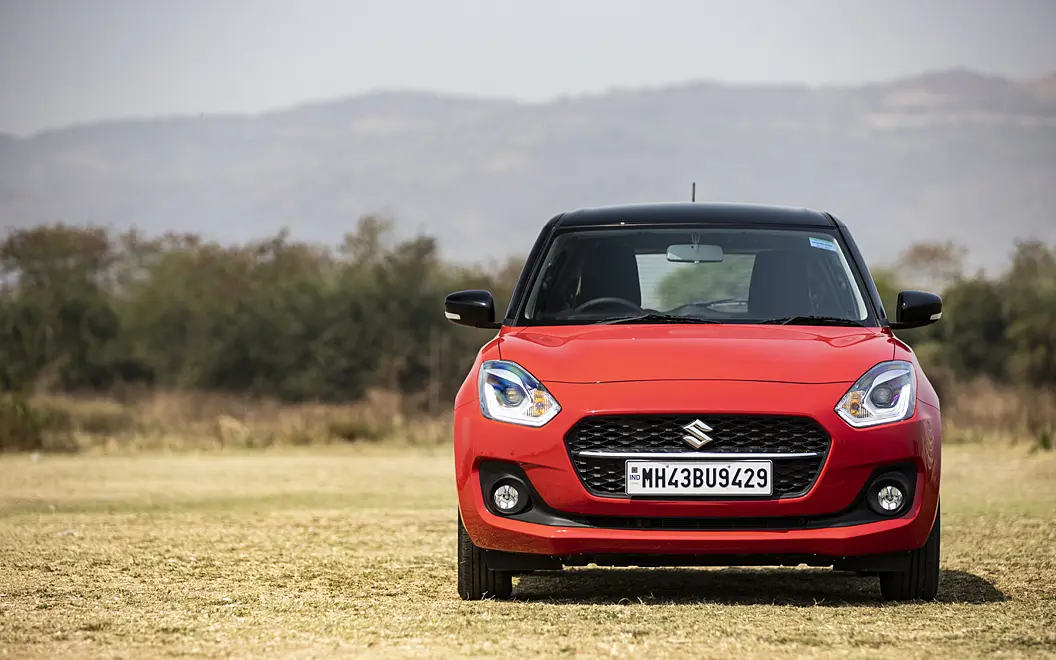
772, 434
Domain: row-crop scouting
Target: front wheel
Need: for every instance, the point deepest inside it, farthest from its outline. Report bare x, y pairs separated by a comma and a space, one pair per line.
475, 579
921, 580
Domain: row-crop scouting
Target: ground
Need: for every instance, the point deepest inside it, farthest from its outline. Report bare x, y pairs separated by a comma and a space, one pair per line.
350, 551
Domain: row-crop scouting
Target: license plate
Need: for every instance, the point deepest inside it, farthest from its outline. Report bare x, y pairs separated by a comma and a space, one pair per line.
699, 478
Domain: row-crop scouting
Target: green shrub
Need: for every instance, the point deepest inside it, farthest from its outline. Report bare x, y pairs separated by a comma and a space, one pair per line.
106, 420
20, 426
352, 428
1044, 440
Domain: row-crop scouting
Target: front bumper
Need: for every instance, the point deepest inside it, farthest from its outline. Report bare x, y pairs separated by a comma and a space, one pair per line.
853, 457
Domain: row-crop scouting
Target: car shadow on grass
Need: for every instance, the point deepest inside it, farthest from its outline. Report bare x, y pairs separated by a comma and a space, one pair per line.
734, 586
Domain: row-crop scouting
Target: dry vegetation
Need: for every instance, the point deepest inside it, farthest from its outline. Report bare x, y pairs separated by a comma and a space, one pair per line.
979, 411
973, 412
199, 421
349, 550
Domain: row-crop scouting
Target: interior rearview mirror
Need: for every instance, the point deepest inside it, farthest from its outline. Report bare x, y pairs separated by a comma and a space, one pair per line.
916, 309
694, 253
473, 308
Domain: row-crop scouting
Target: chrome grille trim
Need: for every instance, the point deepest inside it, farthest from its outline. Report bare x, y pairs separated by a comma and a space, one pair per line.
692, 454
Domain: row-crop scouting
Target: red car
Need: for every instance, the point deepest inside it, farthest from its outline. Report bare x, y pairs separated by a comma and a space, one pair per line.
697, 384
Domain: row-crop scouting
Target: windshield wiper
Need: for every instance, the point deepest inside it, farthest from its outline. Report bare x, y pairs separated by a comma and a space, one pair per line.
814, 320
655, 318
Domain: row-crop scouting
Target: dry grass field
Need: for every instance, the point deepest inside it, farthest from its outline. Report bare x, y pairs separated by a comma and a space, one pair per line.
342, 551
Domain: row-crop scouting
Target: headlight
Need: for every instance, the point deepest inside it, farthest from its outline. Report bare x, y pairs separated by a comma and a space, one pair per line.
508, 393
886, 393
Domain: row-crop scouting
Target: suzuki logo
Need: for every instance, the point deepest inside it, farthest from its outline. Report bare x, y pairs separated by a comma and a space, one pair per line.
698, 436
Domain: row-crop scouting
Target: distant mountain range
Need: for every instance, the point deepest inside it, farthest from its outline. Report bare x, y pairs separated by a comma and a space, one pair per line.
951, 155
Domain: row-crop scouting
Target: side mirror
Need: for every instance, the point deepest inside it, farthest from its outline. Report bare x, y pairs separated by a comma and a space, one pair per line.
917, 309
474, 308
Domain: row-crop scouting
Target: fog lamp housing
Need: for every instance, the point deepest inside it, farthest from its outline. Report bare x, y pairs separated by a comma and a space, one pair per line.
890, 498
889, 494
509, 497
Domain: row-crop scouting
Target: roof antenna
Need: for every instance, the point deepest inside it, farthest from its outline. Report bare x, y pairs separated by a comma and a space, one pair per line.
694, 197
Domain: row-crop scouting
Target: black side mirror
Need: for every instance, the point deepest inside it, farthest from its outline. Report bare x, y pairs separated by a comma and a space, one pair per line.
474, 308
917, 309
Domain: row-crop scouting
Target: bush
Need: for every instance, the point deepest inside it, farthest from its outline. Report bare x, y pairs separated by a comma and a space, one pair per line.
91, 416
20, 425
1044, 440
352, 428
27, 426
982, 410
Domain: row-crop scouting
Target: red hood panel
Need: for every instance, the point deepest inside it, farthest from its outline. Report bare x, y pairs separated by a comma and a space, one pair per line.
796, 354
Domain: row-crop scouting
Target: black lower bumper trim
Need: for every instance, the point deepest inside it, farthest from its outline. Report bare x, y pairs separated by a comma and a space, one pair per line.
784, 523
517, 562
512, 561
492, 472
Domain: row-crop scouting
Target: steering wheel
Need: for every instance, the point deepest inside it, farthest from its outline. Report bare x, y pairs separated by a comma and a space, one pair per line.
597, 302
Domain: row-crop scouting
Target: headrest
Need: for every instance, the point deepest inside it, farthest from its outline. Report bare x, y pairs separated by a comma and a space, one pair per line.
610, 270
779, 286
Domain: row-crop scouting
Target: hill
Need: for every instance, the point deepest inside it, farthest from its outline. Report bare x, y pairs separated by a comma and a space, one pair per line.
947, 155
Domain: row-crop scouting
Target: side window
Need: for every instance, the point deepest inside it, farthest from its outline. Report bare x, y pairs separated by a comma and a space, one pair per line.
840, 299
830, 286
558, 284
825, 299
541, 299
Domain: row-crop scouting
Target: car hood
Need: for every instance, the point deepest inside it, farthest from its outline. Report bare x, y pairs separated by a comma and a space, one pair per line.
609, 353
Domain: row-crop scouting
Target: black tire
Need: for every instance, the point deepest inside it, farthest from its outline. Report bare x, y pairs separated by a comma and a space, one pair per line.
475, 579
921, 581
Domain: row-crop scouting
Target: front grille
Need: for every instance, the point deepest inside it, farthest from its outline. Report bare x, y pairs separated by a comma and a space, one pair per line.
742, 434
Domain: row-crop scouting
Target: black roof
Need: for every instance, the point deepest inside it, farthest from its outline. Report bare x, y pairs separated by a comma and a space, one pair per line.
676, 213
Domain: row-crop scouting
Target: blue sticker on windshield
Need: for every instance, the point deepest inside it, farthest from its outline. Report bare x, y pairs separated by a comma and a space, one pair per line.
824, 244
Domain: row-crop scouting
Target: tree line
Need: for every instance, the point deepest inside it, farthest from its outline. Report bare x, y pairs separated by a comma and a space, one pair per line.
83, 309
1001, 327
87, 309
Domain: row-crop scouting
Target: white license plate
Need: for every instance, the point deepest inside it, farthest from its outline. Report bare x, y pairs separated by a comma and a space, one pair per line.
699, 478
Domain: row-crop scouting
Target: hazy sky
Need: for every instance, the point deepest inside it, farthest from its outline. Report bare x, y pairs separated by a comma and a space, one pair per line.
66, 61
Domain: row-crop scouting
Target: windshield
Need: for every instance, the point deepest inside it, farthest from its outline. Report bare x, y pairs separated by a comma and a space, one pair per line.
696, 275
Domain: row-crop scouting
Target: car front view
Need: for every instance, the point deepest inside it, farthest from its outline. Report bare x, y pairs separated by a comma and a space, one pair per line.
696, 384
